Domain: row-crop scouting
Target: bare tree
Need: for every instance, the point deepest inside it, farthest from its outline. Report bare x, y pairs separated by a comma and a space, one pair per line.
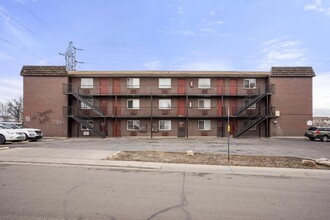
4, 114
15, 108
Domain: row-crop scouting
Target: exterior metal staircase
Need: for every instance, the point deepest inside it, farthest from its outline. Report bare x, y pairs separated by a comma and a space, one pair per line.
82, 119
252, 99
255, 119
255, 97
84, 98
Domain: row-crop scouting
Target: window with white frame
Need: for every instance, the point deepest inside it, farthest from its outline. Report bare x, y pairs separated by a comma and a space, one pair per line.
204, 83
164, 103
249, 84
87, 104
165, 125
86, 83
204, 104
88, 122
133, 125
133, 83
253, 106
164, 83
204, 125
133, 104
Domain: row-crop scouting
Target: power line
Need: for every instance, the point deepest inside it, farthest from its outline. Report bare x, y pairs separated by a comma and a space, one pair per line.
20, 48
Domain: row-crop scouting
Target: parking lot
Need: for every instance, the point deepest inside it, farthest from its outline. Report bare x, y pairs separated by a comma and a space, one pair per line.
94, 148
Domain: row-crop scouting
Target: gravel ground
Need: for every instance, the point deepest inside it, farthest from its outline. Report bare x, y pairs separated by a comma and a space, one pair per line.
214, 159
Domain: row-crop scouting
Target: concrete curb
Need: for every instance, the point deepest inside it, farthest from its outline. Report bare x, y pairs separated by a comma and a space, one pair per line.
171, 167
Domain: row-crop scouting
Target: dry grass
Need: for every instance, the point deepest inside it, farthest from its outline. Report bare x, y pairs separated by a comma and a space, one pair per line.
213, 159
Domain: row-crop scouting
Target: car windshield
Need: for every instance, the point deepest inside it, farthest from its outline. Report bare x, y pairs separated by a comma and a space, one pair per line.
5, 127
20, 126
312, 128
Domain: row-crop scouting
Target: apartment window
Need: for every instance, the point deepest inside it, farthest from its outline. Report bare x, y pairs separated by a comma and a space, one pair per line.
86, 83
204, 104
204, 125
165, 125
83, 105
252, 107
133, 125
133, 104
249, 83
84, 127
204, 83
133, 83
164, 83
164, 103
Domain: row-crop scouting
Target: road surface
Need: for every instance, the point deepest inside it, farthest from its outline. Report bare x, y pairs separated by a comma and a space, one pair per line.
85, 192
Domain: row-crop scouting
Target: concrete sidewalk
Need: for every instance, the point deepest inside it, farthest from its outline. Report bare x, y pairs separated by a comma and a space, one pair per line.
171, 167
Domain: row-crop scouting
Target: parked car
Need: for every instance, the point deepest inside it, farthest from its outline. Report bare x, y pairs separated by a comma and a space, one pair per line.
10, 135
322, 133
31, 134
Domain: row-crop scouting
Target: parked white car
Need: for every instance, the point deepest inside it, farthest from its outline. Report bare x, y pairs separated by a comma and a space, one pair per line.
31, 134
10, 135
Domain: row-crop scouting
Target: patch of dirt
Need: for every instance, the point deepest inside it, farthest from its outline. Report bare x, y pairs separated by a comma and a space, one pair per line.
214, 159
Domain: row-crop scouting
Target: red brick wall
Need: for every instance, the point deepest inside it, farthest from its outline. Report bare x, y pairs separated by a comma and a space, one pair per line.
43, 103
293, 99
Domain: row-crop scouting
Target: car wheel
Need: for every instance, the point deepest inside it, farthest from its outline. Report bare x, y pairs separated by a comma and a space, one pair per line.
311, 138
26, 137
325, 138
2, 139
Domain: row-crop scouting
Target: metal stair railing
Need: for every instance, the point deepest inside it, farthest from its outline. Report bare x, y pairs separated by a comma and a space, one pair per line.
254, 97
85, 98
81, 118
255, 119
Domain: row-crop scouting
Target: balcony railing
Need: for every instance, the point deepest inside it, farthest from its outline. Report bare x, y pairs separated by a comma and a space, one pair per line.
174, 90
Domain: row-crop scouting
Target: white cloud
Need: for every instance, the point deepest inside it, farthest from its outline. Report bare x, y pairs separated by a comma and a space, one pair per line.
321, 97
281, 52
212, 13
10, 88
318, 6
154, 65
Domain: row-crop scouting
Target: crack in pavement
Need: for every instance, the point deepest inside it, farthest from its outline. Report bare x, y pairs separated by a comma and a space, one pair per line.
65, 203
180, 206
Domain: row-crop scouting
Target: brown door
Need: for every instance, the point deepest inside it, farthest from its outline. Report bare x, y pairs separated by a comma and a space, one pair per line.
104, 86
104, 127
220, 129
116, 130
181, 129
181, 86
104, 106
181, 107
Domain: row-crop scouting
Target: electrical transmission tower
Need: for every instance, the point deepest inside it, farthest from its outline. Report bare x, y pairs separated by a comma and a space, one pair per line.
70, 57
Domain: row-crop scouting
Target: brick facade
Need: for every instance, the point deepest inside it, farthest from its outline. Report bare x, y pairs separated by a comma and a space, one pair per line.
189, 103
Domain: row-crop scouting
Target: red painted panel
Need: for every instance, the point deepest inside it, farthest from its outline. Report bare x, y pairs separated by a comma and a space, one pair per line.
220, 86
104, 86
233, 106
181, 107
233, 86
219, 110
116, 86
181, 86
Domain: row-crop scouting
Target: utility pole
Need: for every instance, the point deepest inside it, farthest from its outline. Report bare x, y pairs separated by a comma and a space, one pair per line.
70, 57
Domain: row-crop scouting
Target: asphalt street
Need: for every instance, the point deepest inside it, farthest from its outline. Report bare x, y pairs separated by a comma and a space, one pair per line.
73, 192
94, 148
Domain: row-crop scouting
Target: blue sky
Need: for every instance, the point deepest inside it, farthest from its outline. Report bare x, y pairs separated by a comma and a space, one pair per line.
167, 35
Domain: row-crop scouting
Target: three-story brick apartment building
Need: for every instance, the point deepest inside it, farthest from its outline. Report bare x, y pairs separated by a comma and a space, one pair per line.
167, 103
